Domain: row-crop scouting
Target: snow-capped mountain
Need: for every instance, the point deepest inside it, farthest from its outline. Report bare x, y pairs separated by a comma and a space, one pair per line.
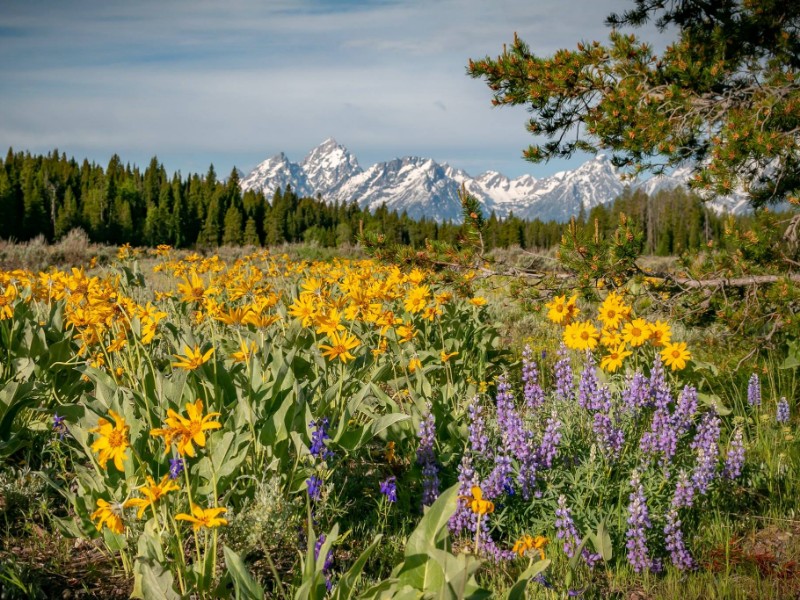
424, 188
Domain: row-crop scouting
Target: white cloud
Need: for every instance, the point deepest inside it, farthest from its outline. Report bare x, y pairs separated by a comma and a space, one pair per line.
246, 79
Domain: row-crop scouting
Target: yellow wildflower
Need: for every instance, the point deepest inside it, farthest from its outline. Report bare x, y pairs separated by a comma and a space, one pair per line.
636, 332
110, 515
527, 542
447, 356
476, 503
203, 517
340, 346
613, 360
153, 492
478, 301
660, 333
581, 336
675, 355
192, 359
112, 442
185, 431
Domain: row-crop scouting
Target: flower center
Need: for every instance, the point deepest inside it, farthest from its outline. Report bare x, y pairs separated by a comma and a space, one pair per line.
636, 332
116, 439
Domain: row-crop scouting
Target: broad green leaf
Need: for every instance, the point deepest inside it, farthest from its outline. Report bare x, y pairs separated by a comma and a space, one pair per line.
347, 582
246, 587
517, 591
602, 542
715, 402
432, 528
152, 580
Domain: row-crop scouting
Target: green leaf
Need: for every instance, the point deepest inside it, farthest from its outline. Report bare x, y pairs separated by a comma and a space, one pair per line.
432, 528
152, 580
419, 570
602, 542
715, 402
246, 587
517, 591
347, 582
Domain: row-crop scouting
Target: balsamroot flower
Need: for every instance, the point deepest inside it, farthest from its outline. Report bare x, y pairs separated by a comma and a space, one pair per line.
192, 359
152, 492
203, 517
185, 431
112, 442
340, 346
675, 355
110, 515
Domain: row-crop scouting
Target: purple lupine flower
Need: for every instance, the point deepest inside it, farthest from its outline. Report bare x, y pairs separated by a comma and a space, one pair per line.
326, 566
548, 449
389, 488
426, 458
567, 531
684, 492
658, 378
782, 414
673, 537
734, 460
590, 395
563, 373
516, 439
706, 447
662, 438
754, 391
638, 522
636, 394
175, 467
478, 440
610, 438
532, 390
488, 546
565, 528
318, 436
499, 479
463, 517
685, 410
314, 487
60, 427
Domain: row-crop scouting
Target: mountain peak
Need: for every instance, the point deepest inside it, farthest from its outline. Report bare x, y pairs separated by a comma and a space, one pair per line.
423, 187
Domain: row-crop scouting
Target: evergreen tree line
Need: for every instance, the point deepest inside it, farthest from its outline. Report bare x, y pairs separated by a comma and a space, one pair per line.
51, 195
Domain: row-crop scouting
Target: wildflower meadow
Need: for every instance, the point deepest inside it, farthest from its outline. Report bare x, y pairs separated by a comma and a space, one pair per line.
268, 426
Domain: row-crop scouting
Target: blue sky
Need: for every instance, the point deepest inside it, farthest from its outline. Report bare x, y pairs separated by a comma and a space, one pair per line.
233, 82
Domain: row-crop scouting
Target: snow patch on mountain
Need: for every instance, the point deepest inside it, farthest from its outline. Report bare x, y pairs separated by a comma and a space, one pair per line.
421, 187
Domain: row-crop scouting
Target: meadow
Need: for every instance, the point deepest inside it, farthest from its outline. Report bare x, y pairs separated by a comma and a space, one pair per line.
282, 424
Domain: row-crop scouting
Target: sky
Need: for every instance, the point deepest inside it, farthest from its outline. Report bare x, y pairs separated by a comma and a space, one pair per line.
234, 82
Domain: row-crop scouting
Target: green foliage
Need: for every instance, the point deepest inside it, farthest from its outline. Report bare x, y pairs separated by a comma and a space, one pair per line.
723, 97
